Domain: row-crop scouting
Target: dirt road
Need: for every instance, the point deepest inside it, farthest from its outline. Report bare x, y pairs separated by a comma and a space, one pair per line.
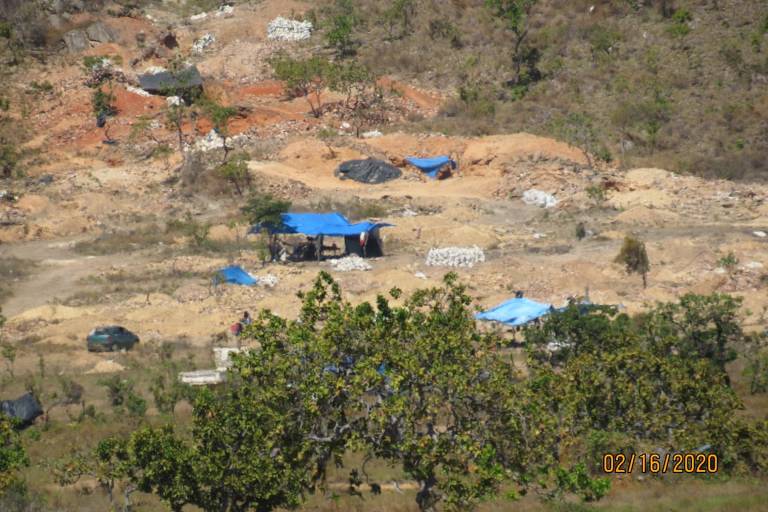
56, 276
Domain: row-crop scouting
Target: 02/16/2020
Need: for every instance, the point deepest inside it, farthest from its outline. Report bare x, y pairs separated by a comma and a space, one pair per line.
690, 463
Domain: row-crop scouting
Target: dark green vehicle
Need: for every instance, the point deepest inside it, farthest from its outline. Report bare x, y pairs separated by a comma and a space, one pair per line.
111, 338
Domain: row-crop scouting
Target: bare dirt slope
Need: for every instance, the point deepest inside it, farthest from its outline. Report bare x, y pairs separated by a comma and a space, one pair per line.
160, 286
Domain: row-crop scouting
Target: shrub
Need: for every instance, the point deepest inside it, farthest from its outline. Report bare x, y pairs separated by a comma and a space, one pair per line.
728, 262
680, 20
122, 396
235, 170
581, 231
757, 373
634, 257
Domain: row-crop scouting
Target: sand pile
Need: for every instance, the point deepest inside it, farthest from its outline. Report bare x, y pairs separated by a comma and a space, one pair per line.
108, 366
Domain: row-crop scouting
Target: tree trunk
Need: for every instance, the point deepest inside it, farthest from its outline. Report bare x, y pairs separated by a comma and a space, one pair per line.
426, 499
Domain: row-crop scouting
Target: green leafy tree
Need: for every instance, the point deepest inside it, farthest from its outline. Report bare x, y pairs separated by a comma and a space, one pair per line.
180, 111
340, 25
167, 391
110, 464
13, 457
400, 12
220, 116
235, 170
305, 78
266, 210
578, 130
656, 379
123, 397
634, 257
757, 373
364, 102
515, 14
415, 385
706, 327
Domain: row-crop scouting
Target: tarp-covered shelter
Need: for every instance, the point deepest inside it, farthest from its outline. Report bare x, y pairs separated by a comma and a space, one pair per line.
234, 275
431, 166
186, 83
515, 312
360, 238
24, 409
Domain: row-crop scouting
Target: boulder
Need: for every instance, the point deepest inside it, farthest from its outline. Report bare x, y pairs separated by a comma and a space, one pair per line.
100, 33
77, 41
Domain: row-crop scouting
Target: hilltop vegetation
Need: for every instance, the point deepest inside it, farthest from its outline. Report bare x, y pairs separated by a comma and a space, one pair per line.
669, 84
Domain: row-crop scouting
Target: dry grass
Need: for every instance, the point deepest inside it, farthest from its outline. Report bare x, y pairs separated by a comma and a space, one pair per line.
13, 269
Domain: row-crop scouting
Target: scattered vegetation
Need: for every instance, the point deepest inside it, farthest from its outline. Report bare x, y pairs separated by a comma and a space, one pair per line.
12, 270
343, 378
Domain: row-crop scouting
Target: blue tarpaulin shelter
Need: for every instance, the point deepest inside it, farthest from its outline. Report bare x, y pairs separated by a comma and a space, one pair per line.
316, 224
430, 166
515, 312
235, 275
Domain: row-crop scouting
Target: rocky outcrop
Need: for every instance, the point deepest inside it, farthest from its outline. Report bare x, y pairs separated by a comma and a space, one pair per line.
76, 41
100, 33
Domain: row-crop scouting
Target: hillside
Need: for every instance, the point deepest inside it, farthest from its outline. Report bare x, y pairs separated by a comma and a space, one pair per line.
577, 129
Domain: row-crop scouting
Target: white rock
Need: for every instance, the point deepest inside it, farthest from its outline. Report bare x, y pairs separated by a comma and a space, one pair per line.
345, 126
210, 142
153, 70
174, 101
420, 275
136, 90
283, 29
350, 263
753, 265
268, 280
225, 10
539, 198
760, 234
204, 42
455, 257
198, 17
372, 134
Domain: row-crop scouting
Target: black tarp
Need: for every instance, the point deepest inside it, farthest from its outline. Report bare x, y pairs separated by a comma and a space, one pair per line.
368, 171
24, 409
181, 84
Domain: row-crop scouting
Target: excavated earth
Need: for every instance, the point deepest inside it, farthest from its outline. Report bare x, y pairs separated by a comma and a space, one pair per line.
81, 189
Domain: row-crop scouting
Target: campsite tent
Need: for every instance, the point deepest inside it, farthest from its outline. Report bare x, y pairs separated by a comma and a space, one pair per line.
234, 275
431, 166
329, 224
514, 312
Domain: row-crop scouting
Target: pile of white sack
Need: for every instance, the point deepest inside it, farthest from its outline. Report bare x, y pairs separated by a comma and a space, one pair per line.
539, 198
204, 42
283, 29
455, 257
350, 263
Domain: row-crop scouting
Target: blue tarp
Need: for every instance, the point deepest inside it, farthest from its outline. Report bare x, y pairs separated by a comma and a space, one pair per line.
515, 312
235, 275
314, 224
430, 166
